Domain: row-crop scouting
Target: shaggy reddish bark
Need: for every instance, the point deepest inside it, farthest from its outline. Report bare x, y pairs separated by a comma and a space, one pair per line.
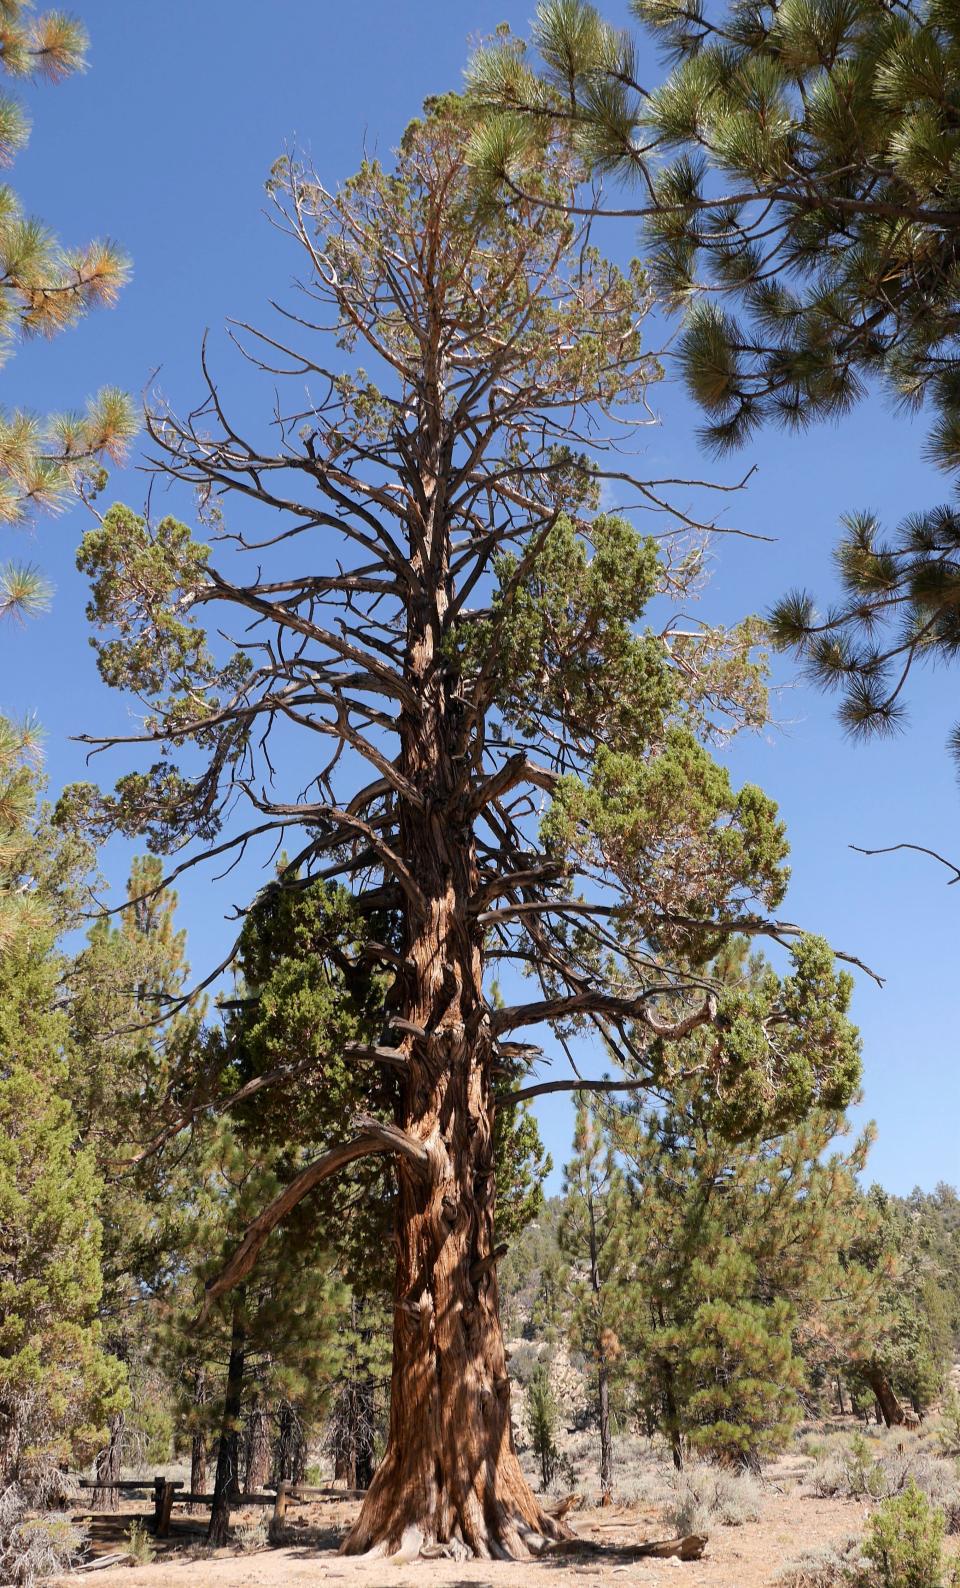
450, 1470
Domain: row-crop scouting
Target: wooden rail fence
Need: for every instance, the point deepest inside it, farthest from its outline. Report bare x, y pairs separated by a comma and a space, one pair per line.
166, 1494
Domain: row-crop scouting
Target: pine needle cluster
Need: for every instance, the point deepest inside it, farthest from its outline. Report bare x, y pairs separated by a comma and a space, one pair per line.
798, 175
45, 288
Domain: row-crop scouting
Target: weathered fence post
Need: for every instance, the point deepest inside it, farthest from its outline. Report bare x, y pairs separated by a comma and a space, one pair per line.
169, 1490
158, 1484
275, 1530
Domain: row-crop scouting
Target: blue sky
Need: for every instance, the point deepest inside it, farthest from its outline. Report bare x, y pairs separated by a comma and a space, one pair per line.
164, 144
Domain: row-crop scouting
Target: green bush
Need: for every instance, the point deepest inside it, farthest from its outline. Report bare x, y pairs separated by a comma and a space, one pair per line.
139, 1544
948, 1434
903, 1546
542, 1423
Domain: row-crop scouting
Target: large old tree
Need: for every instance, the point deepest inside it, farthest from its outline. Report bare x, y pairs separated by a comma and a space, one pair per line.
425, 680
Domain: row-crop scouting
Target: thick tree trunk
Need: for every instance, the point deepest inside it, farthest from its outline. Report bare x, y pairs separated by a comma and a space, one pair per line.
888, 1405
283, 1458
672, 1418
450, 1472
840, 1401
108, 1467
198, 1445
226, 1486
606, 1442
257, 1448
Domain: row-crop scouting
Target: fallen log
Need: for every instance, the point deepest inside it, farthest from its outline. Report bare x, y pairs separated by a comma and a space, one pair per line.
690, 1547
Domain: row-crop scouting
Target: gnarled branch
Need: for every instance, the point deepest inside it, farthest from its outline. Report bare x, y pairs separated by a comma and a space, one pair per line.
375, 1136
599, 1003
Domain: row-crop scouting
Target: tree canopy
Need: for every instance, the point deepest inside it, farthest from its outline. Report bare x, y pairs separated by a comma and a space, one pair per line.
44, 289
795, 173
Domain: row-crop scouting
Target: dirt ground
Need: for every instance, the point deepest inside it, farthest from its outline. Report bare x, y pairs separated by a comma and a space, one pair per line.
736, 1557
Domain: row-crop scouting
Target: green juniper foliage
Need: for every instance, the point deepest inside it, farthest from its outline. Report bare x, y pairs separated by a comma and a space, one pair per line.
796, 174
45, 289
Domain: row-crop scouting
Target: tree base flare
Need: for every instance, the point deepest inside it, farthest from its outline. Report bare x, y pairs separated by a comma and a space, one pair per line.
486, 1515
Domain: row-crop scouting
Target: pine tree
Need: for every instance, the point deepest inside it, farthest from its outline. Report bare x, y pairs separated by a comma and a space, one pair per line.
795, 177
478, 648
542, 1420
44, 290
124, 1054
592, 1238
740, 1262
907, 1347
357, 1419
57, 1384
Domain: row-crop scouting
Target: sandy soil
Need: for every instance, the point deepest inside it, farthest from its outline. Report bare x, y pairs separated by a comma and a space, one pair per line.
742, 1557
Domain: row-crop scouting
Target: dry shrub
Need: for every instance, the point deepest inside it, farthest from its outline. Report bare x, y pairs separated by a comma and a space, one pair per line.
35, 1546
702, 1494
862, 1470
827, 1566
252, 1531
